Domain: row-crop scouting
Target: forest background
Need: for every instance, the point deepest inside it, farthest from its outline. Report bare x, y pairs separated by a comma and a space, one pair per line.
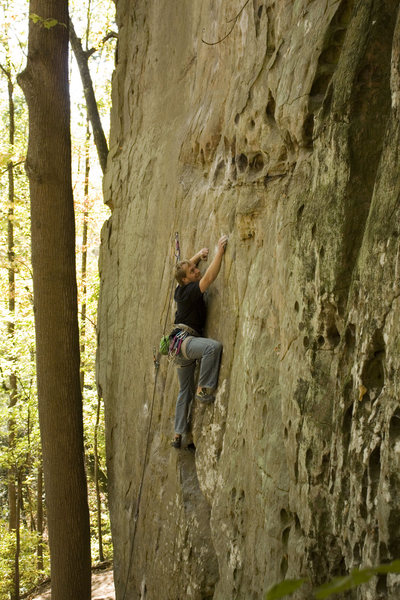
24, 555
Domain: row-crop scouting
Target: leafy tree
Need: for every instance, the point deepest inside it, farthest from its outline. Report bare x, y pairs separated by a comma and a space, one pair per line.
24, 458
12, 376
13, 491
48, 165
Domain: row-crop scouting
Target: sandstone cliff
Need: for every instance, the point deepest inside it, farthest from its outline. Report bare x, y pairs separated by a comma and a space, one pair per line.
285, 135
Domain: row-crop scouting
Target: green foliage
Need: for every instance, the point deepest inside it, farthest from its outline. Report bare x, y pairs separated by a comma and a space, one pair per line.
338, 585
17, 345
28, 567
354, 579
285, 588
46, 23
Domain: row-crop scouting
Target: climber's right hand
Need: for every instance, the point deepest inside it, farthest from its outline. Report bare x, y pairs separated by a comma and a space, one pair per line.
222, 242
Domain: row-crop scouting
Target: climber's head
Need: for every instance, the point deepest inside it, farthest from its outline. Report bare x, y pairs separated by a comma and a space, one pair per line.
186, 272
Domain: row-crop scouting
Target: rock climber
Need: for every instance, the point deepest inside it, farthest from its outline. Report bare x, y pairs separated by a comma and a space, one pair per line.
190, 318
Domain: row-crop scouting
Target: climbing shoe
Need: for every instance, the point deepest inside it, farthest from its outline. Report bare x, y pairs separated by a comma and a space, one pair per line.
176, 442
205, 396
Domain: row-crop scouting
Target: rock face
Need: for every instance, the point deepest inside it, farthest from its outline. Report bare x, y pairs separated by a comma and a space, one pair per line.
285, 135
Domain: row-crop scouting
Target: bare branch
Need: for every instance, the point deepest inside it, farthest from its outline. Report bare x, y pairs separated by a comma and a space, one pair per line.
91, 104
20, 162
6, 72
109, 36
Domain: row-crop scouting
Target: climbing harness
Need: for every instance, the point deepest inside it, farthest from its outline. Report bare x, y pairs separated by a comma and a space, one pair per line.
156, 361
176, 344
177, 337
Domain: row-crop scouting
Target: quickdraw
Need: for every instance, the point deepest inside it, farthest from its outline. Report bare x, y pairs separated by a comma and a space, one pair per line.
176, 344
177, 247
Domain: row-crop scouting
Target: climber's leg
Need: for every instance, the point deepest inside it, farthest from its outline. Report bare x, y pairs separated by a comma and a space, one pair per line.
210, 353
185, 395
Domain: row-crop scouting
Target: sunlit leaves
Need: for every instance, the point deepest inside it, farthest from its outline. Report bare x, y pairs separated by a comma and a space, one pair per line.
46, 23
17, 351
5, 157
338, 585
28, 567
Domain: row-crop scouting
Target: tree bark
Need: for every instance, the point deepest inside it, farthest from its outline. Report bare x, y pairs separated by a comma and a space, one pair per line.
96, 480
39, 518
15, 593
84, 256
48, 165
82, 58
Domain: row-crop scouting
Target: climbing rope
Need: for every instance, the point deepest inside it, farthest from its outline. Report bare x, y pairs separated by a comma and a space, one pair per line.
156, 360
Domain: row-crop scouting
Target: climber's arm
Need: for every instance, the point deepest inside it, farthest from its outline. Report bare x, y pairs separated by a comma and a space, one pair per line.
200, 255
212, 272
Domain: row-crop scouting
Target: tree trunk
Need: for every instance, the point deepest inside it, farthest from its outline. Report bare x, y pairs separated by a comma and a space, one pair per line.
84, 255
91, 104
15, 593
28, 466
96, 481
48, 165
39, 518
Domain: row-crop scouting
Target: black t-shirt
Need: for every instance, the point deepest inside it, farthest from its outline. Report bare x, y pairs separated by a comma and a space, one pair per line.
191, 308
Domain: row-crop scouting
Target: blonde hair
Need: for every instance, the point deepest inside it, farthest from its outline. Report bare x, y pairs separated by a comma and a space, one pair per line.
180, 271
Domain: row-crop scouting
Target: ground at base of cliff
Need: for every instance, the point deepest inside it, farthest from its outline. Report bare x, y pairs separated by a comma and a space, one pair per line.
102, 586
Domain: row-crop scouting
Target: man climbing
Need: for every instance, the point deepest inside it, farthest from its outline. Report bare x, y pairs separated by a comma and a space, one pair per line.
190, 318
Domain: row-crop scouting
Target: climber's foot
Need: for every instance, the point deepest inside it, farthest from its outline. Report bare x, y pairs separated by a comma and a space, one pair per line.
177, 441
205, 395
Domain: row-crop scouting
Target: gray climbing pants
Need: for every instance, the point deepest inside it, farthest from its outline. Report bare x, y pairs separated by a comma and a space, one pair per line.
209, 351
